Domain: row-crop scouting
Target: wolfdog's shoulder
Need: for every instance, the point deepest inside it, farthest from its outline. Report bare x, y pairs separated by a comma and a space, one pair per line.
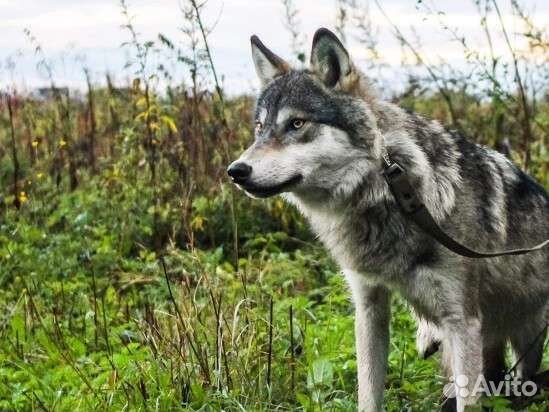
480, 186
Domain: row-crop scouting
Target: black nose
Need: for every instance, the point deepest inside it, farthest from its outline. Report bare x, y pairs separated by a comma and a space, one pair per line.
240, 172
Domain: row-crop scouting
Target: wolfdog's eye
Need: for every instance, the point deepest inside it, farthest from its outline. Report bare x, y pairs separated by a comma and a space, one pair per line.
258, 126
297, 123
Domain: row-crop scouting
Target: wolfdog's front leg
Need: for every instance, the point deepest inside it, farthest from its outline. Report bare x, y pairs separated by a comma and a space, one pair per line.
372, 316
466, 357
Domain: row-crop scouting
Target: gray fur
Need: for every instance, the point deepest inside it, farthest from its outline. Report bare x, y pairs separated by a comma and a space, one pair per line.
331, 170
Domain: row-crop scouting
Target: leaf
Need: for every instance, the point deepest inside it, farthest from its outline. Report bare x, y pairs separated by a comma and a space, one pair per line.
321, 373
168, 121
141, 102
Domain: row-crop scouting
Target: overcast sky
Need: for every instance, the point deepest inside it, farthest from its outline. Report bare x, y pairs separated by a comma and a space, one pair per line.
76, 33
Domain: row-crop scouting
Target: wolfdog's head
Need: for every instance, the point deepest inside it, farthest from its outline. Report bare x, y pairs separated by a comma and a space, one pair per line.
315, 134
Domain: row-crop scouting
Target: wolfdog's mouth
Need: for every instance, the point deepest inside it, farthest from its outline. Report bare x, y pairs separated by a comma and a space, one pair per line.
268, 191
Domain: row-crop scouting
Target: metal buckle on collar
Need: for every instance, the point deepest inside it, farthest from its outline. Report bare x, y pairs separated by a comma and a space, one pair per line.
387, 160
401, 187
393, 171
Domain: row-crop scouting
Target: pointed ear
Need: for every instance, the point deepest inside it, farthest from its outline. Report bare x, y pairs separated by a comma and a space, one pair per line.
267, 64
329, 59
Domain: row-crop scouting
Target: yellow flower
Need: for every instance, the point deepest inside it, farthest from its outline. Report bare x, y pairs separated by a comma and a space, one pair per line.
197, 223
62, 143
39, 175
34, 143
23, 197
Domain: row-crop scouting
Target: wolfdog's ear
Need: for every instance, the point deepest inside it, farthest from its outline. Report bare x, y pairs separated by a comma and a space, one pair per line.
329, 59
267, 64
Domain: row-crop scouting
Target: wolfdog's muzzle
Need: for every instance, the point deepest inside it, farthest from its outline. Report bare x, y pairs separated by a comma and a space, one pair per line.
241, 173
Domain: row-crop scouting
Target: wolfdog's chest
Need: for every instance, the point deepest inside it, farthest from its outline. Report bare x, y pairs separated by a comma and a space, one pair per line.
369, 242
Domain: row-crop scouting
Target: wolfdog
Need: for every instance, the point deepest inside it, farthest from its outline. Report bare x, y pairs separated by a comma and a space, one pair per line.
320, 137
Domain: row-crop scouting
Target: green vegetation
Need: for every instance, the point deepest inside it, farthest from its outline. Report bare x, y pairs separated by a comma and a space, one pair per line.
134, 277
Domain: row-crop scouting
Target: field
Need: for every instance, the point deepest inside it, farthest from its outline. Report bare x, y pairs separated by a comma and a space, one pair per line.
134, 277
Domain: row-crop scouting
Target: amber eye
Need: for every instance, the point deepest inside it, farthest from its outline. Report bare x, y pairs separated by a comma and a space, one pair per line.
258, 126
297, 123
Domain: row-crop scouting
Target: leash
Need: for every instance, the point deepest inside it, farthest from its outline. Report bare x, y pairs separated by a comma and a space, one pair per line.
408, 200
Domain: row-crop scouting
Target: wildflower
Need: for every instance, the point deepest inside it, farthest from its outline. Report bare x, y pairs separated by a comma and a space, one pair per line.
34, 143
39, 175
197, 223
23, 197
62, 143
